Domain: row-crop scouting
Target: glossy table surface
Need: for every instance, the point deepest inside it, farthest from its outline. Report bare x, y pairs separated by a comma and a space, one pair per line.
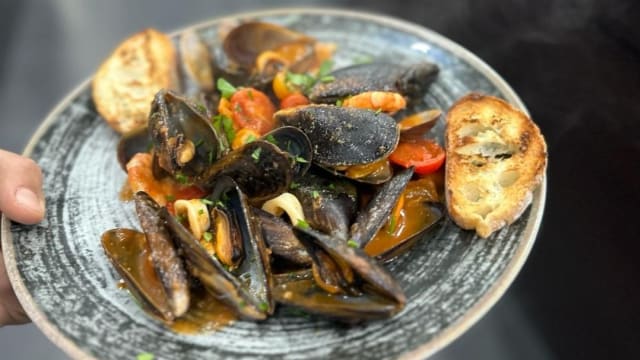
576, 66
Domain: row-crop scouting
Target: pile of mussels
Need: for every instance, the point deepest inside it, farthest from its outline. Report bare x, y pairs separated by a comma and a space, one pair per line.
317, 265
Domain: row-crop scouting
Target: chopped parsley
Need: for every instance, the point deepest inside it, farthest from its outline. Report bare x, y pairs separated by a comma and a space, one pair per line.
200, 212
220, 204
379, 111
256, 154
302, 224
170, 197
201, 108
301, 160
294, 185
250, 94
306, 81
207, 236
352, 243
315, 194
182, 178
339, 102
332, 186
271, 139
145, 356
263, 306
392, 224
327, 78
206, 201
250, 138
224, 124
225, 88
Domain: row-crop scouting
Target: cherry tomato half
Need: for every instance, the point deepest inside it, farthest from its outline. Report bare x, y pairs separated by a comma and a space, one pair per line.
426, 155
252, 109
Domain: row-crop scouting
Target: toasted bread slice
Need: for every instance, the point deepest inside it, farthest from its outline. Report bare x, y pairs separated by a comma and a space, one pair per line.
124, 85
496, 157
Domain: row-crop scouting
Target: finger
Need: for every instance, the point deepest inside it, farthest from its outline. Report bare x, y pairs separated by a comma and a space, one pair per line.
21, 197
11, 311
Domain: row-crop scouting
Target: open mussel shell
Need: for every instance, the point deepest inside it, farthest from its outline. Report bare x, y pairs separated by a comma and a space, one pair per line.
329, 203
343, 136
244, 43
164, 256
131, 144
184, 141
437, 215
128, 252
260, 169
279, 237
377, 212
409, 80
370, 277
296, 143
247, 287
299, 290
415, 126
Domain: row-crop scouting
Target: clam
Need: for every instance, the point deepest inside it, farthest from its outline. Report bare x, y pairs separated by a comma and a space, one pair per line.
410, 81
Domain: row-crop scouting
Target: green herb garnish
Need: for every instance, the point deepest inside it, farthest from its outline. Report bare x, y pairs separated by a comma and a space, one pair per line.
256, 154
302, 224
392, 225
200, 212
220, 204
145, 356
207, 236
327, 78
352, 243
181, 178
206, 201
315, 194
339, 102
300, 159
379, 111
250, 94
263, 306
225, 124
250, 138
332, 186
225, 88
294, 185
270, 138
170, 197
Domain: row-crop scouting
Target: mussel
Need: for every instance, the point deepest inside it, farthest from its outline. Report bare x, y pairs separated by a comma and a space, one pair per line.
410, 81
347, 284
344, 137
157, 276
245, 287
329, 203
185, 143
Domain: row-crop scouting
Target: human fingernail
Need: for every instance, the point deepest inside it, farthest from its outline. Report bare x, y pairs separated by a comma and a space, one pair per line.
27, 198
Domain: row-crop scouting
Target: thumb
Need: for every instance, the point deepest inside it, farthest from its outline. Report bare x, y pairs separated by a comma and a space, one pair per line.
21, 197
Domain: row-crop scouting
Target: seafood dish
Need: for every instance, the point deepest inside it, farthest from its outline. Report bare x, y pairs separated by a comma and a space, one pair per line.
263, 178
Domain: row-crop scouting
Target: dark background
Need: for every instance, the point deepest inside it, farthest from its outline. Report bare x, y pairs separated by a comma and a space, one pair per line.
575, 64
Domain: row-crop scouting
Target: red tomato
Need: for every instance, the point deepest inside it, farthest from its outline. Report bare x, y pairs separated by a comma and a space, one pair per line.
252, 109
425, 155
293, 100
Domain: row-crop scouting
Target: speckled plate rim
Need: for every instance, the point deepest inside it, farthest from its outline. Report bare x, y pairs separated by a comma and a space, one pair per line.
475, 313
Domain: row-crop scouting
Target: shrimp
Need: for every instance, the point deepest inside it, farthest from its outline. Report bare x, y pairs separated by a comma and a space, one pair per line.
389, 102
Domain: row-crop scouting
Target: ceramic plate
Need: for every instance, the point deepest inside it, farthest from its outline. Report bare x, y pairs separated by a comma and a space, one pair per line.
68, 288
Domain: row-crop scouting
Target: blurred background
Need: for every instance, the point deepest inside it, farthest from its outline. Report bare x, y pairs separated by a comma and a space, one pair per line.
575, 64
